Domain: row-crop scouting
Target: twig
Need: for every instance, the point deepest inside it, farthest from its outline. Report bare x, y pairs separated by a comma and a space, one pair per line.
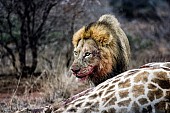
15, 90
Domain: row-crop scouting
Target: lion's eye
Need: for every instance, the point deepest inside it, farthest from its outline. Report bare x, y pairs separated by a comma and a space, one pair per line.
75, 53
87, 54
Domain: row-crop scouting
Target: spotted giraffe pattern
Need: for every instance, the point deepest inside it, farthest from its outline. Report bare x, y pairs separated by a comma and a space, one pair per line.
143, 90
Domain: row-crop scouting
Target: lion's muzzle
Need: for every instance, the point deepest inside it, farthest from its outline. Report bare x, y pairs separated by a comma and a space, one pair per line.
75, 69
82, 72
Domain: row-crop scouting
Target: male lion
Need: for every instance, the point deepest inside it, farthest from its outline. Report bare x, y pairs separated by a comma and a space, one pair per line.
101, 50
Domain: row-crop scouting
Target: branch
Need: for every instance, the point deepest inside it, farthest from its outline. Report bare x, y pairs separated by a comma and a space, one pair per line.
9, 50
8, 9
44, 17
10, 29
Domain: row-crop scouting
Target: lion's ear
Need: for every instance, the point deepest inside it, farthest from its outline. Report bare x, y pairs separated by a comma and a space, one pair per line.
100, 34
105, 39
109, 38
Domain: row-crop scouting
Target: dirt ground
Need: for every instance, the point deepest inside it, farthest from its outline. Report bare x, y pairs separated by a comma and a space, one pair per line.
17, 93
14, 90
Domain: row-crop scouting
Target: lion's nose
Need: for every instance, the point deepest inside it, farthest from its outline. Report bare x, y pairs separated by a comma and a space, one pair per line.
75, 69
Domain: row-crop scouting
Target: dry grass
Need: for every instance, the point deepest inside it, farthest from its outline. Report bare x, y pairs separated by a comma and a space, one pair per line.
53, 85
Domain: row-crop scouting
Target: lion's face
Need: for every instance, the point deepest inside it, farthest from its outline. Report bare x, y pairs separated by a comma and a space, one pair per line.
101, 50
87, 59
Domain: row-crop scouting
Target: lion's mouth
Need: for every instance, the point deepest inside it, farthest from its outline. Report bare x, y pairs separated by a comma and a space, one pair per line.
84, 73
81, 78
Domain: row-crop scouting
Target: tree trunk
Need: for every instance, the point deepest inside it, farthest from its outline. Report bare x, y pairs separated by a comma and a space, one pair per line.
34, 56
22, 56
22, 49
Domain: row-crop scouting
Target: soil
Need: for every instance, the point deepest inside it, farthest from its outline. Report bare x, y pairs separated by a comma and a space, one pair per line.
14, 91
18, 93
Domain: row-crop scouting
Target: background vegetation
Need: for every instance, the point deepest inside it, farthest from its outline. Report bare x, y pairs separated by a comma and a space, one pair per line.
36, 49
